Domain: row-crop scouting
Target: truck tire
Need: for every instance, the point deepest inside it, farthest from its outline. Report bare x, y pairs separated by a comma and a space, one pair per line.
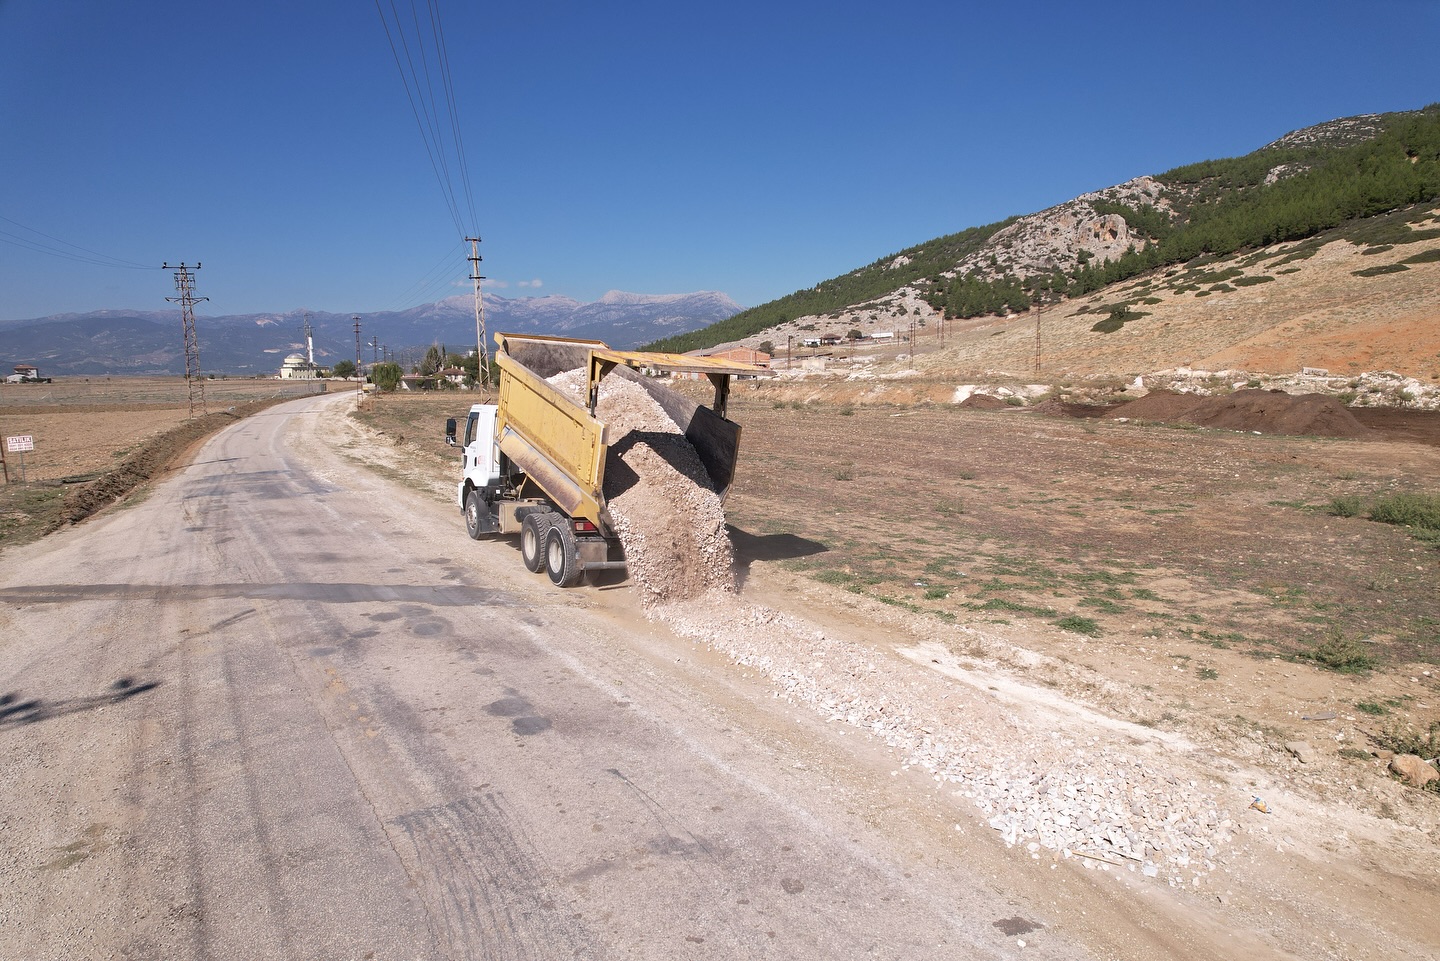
532, 541
473, 507
562, 557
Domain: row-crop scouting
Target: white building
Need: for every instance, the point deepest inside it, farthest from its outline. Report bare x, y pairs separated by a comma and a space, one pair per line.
296, 367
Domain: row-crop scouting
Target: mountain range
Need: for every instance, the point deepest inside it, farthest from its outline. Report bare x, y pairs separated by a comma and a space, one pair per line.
151, 342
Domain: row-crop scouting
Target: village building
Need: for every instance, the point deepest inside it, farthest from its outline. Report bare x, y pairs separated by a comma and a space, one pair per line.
26, 374
297, 367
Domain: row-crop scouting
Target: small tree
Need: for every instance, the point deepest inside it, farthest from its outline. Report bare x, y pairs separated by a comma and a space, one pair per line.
386, 376
344, 368
767, 347
434, 356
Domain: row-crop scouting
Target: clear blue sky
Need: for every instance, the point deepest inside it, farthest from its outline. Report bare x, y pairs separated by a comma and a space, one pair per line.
656, 147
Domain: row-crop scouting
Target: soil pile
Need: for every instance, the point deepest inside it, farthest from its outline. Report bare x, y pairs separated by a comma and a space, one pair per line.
661, 503
983, 402
1254, 411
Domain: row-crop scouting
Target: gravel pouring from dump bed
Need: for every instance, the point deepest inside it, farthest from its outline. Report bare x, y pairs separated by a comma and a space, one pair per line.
668, 518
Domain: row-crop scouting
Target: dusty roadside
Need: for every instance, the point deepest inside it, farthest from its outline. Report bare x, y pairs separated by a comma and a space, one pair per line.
1107, 777
1111, 775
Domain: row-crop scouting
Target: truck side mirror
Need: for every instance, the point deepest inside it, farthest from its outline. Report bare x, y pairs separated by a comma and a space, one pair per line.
450, 431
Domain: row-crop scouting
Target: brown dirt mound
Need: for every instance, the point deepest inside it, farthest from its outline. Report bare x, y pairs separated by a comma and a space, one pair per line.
983, 402
1255, 411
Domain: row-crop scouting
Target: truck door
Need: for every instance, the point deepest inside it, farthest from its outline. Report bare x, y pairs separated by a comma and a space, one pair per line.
480, 460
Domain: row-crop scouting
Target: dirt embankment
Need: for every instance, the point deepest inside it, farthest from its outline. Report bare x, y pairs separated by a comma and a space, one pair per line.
1252, 411
150, 459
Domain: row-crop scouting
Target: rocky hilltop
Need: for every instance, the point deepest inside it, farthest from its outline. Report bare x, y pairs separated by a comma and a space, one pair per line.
1360, 297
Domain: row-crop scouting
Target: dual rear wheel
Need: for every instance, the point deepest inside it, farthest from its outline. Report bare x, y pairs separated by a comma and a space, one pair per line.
532, 540
547, 543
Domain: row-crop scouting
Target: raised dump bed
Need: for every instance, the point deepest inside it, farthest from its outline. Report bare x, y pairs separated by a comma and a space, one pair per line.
535, 462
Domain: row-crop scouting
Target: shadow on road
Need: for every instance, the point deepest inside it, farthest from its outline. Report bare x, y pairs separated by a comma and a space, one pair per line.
15, 711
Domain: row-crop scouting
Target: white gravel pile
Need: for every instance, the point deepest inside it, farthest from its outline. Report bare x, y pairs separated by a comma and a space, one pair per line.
1070, 795
1067, 794
662, 507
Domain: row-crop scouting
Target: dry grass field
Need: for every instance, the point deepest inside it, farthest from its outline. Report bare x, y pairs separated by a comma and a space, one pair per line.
86, 430
1205, 570
1226, 589
1209, 570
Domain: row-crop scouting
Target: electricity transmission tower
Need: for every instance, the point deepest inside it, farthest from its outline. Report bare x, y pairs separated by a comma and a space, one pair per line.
482, 371
185, 285
359, 364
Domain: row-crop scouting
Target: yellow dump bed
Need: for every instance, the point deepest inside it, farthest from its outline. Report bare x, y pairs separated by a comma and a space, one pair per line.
559, 443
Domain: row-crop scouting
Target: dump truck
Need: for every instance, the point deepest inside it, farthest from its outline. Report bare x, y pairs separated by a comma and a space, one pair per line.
533, 463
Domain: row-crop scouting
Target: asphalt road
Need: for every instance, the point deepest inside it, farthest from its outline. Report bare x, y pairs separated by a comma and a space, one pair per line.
282, 708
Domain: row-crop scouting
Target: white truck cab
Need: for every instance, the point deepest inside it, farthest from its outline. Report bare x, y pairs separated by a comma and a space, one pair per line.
480, 466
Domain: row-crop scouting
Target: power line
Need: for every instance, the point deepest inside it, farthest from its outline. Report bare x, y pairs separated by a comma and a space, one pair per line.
449, 86
425, 111
85, 255
434, 278
421, 62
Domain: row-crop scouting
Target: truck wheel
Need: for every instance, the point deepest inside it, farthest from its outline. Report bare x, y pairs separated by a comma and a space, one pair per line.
562, 557
472, 514
532, 541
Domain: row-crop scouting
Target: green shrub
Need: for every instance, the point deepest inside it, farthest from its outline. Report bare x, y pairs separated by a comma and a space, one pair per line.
1408, 510
1382, 269
1345, 506
1342, 655
1079, 625
1407, 740
1103, 605
833, 577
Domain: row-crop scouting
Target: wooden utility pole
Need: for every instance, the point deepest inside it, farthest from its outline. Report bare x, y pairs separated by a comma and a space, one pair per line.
185, 284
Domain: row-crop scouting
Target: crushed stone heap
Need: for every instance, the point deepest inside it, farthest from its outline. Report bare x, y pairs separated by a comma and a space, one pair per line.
662, 505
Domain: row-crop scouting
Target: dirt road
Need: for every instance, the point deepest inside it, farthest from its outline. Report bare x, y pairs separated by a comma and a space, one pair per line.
282, 709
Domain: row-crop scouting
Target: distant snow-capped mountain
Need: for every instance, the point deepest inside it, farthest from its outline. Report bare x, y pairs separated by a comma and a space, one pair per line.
150, 342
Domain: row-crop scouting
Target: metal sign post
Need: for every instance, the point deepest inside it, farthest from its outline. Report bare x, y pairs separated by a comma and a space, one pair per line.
18, 444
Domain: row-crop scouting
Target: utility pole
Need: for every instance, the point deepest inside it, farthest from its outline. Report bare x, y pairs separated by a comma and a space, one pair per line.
185, 285
1038, 312
482, 371
359, 364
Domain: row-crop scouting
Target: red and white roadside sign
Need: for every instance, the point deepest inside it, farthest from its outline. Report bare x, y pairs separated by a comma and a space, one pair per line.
19, 444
